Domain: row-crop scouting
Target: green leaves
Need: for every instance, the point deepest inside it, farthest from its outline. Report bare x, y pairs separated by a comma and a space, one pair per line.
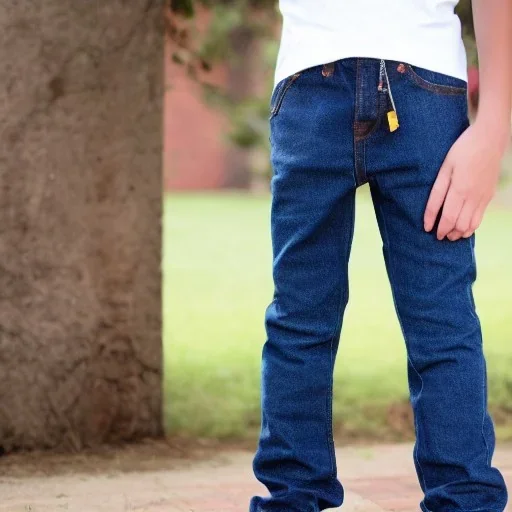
186, 8
465, 13
183, 7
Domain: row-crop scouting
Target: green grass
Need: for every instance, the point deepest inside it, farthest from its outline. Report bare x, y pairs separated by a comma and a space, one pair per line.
217, 284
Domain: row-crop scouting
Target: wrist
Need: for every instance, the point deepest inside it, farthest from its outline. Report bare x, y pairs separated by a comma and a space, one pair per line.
495, 129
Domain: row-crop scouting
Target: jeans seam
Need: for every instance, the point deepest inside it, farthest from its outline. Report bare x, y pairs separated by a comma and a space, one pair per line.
470, 242
356, 110
391, 274
487, 458
342, 300
363, 144
484, 413
484, 405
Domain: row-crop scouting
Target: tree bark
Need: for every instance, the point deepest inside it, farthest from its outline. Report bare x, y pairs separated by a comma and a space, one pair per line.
80, 209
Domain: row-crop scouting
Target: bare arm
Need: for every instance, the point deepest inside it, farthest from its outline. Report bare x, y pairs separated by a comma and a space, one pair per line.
467, 180
493, 28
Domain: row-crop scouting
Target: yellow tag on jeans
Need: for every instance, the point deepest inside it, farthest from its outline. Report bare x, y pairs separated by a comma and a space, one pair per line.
393, 121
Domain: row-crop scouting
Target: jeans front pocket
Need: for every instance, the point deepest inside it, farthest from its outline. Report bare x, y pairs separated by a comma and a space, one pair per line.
433, 81
280, 93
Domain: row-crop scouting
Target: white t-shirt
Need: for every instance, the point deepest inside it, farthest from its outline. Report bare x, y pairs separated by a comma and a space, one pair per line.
423, 33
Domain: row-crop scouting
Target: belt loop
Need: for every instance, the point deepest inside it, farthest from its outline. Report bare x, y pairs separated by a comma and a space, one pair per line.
328, 69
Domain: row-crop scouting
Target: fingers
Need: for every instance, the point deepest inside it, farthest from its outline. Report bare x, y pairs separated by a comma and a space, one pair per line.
451, 210
477, 218
462, 226
437, 196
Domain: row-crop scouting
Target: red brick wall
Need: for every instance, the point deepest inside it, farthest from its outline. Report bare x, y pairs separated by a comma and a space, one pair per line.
194, 150
197, 153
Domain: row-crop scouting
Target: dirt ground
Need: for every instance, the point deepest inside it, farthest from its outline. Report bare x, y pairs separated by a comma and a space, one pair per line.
204, 477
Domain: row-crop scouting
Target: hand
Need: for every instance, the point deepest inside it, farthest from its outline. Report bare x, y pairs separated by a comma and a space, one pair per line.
466, 183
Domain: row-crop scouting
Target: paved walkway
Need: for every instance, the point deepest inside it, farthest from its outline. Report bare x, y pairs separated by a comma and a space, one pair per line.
376, 479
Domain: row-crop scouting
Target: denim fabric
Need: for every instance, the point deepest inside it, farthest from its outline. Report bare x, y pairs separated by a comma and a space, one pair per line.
329, 135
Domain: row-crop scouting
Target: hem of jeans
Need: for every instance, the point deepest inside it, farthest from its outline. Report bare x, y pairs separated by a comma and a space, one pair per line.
424, 508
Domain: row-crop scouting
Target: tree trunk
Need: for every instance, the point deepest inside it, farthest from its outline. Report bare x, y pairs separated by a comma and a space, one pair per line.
80, 208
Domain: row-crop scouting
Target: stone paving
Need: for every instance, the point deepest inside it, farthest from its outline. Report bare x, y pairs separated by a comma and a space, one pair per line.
376, 479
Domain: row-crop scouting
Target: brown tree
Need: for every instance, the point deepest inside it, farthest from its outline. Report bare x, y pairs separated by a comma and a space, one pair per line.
80, 208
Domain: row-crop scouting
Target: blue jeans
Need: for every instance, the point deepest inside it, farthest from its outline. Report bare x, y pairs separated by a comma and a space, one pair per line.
329, 135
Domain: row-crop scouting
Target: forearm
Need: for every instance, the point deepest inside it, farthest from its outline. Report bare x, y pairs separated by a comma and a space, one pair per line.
493, 28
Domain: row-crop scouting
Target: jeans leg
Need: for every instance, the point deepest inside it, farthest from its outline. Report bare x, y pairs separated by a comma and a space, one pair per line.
312, 220
432, 288
295, 458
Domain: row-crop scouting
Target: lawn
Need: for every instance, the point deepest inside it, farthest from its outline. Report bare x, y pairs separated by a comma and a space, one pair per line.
217, 284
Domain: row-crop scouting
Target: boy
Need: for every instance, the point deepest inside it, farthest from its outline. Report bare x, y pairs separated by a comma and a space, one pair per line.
369, 91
